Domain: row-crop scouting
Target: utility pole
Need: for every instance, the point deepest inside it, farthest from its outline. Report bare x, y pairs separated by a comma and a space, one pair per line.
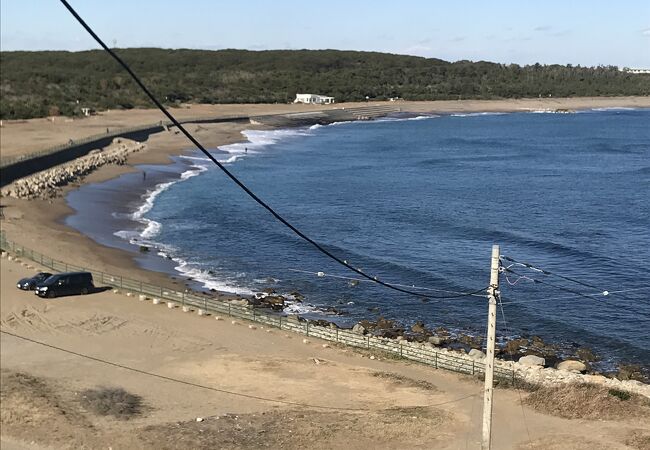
489, 359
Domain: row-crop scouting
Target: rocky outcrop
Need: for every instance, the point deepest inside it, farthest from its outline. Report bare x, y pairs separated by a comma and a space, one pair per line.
46, 184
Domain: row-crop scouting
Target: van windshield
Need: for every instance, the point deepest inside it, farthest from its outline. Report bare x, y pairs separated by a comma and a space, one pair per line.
50, 280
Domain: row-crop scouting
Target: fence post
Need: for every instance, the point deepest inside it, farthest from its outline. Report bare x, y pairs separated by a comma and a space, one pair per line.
472, 367
368, 342
337, 335
205, 304
435, 360
66, 267
121, 286
229, 305
307, 328
141, 287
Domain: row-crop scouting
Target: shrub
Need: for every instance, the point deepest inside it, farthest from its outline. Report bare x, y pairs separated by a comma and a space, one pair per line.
114, 402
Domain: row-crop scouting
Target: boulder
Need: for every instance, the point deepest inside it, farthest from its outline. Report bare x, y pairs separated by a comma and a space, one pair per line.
572, 366
359, 329
586, 354
471, 341
476, 354
418, 327
436, 340
515, 345
532, 361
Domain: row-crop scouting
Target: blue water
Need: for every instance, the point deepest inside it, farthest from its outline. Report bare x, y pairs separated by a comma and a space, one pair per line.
420, 202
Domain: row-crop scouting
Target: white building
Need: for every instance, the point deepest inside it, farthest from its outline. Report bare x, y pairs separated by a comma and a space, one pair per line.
634, 70
313, 99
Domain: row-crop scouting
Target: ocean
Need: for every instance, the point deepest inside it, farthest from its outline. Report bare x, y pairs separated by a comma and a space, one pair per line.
418, 202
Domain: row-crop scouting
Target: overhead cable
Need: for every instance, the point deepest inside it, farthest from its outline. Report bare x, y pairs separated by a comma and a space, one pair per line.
360, 280
556, 286
546, 272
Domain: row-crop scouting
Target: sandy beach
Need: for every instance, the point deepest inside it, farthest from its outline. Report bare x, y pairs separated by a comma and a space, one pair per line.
381, 403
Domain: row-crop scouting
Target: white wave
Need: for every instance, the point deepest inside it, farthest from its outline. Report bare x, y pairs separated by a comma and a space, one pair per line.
208, 280
315, 127
151, 227
194, 158
301, 308
614, 108
478, 114
401, 119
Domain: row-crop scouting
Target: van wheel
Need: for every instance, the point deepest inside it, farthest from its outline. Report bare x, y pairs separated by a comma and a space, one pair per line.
84, 291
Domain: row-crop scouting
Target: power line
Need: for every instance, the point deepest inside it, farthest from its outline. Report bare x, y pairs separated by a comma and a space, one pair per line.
511, 351
546, 272
593, 296
239, 183
210, 388
342, 277
535, 280
562, 288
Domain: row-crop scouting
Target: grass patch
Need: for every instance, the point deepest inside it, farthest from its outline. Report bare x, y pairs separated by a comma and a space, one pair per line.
620, 394
405, 381
114, 402
587, 401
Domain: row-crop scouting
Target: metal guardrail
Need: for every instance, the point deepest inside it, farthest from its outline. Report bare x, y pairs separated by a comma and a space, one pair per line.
425, 355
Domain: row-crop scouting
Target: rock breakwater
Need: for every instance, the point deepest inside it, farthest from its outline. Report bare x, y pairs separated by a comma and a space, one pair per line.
47, 183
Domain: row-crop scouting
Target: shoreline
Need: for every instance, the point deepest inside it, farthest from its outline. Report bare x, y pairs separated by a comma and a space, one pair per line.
30, 222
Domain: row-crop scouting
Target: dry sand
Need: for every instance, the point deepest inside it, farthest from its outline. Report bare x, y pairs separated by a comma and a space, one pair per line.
221, 355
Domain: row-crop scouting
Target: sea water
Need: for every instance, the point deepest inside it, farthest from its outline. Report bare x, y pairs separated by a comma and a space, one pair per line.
419, 202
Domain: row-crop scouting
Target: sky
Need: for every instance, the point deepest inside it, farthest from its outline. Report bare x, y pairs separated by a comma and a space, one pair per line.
575, 32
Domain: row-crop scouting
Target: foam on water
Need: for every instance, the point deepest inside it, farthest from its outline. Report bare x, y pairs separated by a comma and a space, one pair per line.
151, 227
479, 114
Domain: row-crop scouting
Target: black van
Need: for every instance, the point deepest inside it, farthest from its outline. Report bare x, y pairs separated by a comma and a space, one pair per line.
70, 283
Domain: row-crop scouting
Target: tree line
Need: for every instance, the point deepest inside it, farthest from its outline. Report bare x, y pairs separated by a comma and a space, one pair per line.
38, 84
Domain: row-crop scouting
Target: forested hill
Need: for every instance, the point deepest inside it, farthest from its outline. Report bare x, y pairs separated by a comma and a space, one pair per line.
35, 84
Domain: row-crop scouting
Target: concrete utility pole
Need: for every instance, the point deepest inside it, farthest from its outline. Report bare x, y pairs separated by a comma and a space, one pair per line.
489, 359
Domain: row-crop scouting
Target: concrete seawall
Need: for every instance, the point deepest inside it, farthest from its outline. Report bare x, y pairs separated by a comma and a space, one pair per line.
44, 160
15, 168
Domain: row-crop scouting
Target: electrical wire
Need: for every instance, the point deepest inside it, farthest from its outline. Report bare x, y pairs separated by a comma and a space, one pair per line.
556, 286
590, 296
508, 333
342, 277
546, 272
230, 175
210, 388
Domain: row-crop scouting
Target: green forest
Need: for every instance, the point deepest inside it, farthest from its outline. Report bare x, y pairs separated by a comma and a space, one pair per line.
37, 84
